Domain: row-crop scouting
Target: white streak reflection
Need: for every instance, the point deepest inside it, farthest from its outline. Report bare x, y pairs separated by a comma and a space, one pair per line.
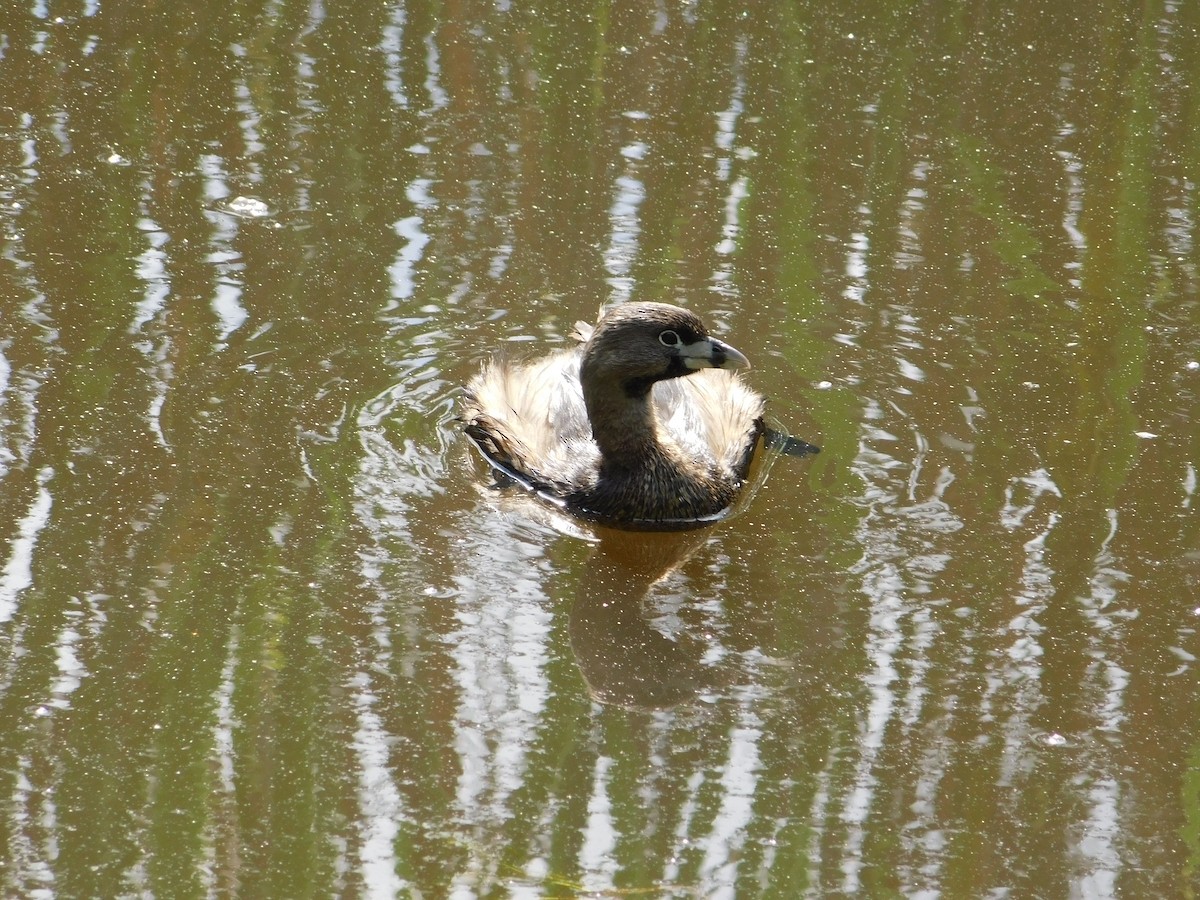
378, 797
1017, 684
412, 230
908, 251
7, 456
883, 644
739, 780
1074, 194
683, 831
1097, 850
599, 834
223, 726
32, 807
226, 302
18, 569
250, 122
500, 653
739, 187
437, 94
818, 816
390, 45
1097, 847
901, 560
152, 271
856, 260
500, 650
71, 671
623, 217
224, 761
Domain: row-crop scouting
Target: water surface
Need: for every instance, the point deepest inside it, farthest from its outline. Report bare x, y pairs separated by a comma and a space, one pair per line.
267, 628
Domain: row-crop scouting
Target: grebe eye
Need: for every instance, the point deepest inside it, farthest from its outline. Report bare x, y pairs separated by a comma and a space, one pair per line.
669, 339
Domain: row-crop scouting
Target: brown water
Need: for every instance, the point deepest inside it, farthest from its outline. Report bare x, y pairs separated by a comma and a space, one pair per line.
267, 631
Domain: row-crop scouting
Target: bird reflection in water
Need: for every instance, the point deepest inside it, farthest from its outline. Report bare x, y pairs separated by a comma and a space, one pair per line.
625, 659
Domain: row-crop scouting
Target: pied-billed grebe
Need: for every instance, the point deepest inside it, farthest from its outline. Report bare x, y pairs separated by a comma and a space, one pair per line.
613, 430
